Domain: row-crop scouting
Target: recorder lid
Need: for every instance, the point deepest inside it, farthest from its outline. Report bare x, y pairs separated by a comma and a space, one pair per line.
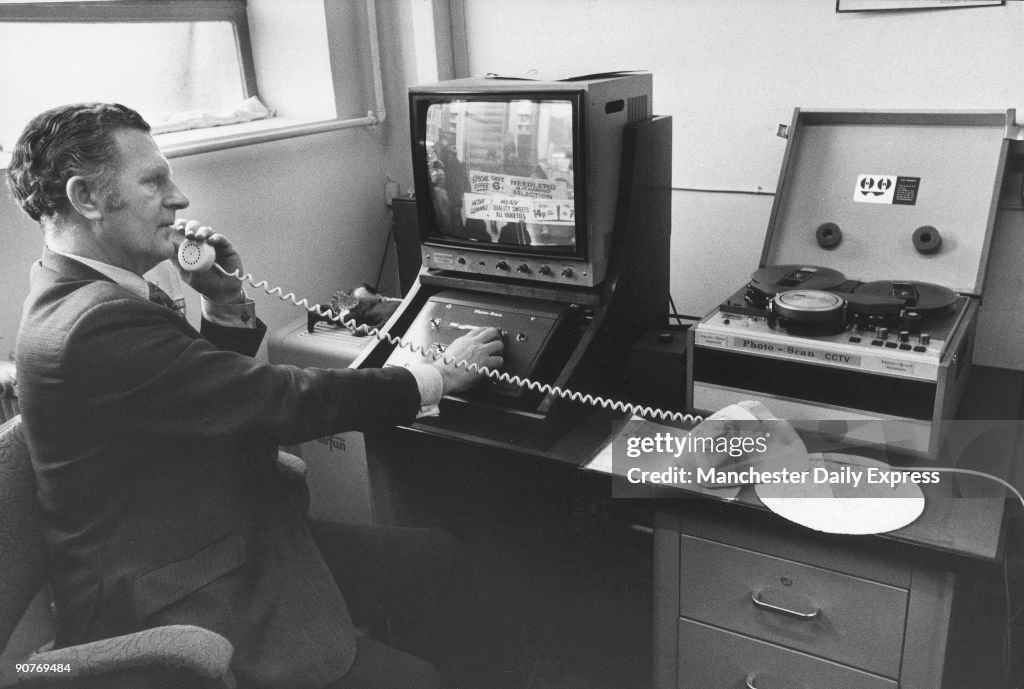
890, 195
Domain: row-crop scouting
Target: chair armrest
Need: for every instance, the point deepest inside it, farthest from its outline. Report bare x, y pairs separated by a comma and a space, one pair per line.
291, 466
203, 652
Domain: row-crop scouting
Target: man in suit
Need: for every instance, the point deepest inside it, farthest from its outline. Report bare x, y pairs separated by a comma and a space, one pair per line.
155, 446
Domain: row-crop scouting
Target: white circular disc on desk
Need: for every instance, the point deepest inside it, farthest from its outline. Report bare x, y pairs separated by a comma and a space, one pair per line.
842, 508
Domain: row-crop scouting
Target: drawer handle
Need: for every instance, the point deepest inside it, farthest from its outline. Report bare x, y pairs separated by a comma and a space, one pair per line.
785, 604
763, 680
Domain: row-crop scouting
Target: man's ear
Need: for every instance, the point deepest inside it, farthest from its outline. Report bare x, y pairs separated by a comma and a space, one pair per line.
83, 198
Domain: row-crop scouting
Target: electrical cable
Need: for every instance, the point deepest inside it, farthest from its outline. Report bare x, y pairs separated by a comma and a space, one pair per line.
679, 318
383, 257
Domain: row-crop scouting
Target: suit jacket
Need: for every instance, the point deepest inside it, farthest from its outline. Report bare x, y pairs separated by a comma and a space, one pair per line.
155, 450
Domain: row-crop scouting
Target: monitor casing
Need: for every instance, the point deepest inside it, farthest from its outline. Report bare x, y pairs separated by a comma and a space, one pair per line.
603, 106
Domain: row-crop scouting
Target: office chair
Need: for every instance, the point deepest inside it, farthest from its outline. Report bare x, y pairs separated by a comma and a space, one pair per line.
180, 655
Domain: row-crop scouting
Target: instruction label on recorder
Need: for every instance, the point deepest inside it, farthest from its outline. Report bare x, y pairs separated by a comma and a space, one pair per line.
894, 190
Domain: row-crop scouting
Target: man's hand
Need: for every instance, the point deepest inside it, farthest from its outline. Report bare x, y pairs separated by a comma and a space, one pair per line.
212, 284
8, 379
480, 346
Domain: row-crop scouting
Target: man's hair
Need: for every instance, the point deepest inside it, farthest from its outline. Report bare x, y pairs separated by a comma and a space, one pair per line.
64, 142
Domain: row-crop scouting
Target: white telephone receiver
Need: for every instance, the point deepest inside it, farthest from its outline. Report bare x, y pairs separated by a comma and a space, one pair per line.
196, 256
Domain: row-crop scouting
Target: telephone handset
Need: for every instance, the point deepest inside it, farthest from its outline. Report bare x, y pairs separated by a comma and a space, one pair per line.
196, 256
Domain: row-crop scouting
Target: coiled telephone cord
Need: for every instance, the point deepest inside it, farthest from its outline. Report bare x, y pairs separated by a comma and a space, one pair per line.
500, 376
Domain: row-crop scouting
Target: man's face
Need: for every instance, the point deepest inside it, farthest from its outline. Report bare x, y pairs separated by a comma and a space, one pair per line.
135, 230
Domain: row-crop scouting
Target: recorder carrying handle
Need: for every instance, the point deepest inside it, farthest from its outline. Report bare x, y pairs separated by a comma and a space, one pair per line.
196, 256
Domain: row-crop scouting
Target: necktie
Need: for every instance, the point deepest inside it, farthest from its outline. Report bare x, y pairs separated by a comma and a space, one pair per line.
158, 296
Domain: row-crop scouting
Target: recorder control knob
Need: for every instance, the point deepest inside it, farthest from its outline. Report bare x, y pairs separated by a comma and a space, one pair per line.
911, 320
925, 339
501, 265
904, 336
881, 333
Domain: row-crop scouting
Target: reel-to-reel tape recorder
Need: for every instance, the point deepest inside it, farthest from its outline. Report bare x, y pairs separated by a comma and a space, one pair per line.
882, 358
866, 358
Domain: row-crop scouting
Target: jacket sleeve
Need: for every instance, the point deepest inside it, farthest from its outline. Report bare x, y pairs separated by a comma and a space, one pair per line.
242, 340
144, 371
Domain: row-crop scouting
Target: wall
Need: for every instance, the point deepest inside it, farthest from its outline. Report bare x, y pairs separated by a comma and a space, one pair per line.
729, 72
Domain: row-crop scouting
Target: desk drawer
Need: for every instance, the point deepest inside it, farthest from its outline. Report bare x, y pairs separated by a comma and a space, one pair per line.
851, 620
711, 658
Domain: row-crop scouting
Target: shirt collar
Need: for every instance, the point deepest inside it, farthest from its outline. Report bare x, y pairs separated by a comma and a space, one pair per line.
125, 278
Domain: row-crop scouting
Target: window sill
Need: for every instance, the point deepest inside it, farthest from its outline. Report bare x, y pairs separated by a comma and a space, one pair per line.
196, 141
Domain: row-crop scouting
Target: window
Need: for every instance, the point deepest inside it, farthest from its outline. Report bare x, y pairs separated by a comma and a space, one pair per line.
165, 58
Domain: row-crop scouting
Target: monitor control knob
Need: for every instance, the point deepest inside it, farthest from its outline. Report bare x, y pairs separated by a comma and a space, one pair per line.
544, 270
501, 265
567, 273
522, 268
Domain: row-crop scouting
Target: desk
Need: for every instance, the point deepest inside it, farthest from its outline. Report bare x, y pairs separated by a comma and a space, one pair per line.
864, 611
558, 584
892, 603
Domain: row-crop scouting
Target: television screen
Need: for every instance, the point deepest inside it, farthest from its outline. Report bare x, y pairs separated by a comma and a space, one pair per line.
501, 173
519, 178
